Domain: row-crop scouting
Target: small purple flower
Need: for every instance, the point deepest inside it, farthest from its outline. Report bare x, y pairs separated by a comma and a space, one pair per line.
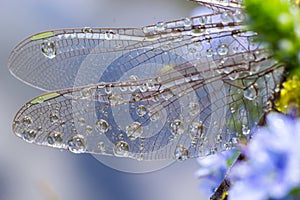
272, 168
213, 170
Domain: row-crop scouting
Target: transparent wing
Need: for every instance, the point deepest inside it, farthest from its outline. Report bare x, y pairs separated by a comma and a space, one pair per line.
180, 89
51, 60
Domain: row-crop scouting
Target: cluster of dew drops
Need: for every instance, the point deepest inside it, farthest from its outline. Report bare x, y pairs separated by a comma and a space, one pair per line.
78, 143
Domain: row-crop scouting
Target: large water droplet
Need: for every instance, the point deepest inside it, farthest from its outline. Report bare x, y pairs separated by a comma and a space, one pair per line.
48, 49
176, 127
196, 130
222, 50
54, 139
121, 149
250, 93
101, 126
134, 130
77, 144
181, 153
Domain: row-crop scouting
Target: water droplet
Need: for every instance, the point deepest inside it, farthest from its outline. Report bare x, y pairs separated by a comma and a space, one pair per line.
101, 126
235, 49
222, 50
81, 121
160, 26
141, 110
254, 69
234, 140
176, 127
143, 87
101, 146
27, 121
29, 135
227, 70
123, 88
53, 118
152, 85
109, 35
232, 110
89, 129
239, 16
192, 50
202, 20
48, 49
196, 130
142, 147
54, 139
245, 129
187, 22
134, 130
209, 52
233, 75
121, 136
139, 157
193, 108
181, 153
108, 89
87, 30
226, 17
250, 93
121, 149
77, 144
165, 47
132, 87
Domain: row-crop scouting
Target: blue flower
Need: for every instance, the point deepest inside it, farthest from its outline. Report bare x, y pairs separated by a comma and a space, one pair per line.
213, 170
272, 168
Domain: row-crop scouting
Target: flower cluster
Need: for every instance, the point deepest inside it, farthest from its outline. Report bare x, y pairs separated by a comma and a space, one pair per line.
272, 168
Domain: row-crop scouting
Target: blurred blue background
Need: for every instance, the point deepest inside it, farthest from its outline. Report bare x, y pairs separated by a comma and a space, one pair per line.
32, 172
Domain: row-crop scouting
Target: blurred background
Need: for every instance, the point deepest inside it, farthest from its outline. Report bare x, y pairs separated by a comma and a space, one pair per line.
32, 172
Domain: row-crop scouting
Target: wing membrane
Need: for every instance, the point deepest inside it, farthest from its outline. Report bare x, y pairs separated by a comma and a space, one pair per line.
179, 89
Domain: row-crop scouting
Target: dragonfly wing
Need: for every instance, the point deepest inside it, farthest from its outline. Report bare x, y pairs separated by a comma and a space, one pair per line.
53, 60
171, 91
